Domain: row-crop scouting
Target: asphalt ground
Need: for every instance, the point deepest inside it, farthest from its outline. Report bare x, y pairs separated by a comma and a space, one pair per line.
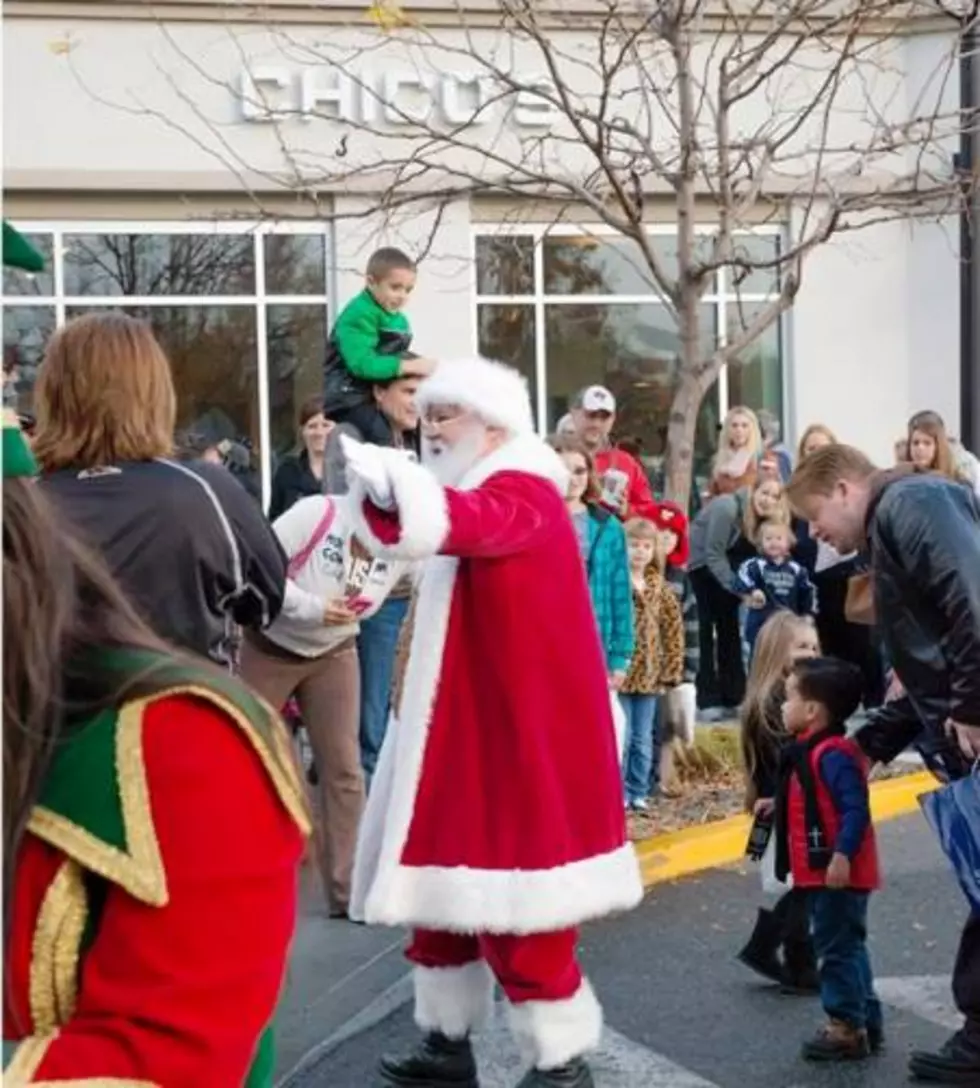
682, 1013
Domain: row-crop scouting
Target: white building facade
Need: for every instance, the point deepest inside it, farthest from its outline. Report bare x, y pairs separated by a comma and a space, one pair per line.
223, 180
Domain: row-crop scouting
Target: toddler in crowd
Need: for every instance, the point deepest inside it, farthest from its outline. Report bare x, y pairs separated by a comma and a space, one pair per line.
773, 581
783, 640
825, 839
370, 343
658, 658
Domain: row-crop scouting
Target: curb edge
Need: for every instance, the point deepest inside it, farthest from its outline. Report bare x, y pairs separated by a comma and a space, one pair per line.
693, 849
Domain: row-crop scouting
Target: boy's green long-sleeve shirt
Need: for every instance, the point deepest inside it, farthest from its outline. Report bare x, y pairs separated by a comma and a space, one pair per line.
361, 328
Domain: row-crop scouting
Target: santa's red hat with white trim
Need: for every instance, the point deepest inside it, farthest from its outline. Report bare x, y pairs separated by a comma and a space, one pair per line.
497, 393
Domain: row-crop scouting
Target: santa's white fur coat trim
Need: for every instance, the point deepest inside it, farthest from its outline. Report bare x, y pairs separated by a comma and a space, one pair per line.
422, 513
453, 1000
551, 1033
459, 898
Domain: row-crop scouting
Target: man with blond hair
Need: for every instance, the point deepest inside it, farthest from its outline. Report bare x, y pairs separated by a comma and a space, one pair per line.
921, 533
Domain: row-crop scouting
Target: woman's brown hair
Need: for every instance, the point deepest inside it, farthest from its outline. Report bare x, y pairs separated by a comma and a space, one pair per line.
104, 394
751, 521
814, 428
312, 406
561, 443
931, 424
761, 714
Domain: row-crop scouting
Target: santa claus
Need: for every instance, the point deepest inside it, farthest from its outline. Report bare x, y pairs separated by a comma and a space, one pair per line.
495, 823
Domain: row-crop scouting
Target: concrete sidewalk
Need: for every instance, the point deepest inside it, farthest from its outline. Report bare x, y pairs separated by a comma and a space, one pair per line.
337, 970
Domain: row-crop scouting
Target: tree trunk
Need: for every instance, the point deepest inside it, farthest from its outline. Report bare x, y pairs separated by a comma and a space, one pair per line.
681, 431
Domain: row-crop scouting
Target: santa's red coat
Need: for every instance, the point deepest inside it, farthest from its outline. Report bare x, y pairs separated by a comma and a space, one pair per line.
497, 804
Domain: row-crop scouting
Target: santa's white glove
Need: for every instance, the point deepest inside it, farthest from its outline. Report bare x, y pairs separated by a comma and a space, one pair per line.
369, 466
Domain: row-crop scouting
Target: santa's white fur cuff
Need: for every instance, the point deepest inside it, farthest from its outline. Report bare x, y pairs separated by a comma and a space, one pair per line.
551, 1033
453, 1000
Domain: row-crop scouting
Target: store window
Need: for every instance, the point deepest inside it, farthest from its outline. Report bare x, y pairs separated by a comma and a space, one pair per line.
569, 309
242, 315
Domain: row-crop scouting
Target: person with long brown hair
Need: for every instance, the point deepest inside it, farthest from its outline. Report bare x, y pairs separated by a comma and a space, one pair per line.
602, 542
186, 542
152, 830
784, 639
305, 472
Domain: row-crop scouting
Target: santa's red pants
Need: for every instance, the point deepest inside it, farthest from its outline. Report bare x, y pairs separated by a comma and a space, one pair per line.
554, 1013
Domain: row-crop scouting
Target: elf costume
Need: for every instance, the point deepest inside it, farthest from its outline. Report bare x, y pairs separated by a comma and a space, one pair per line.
155, 889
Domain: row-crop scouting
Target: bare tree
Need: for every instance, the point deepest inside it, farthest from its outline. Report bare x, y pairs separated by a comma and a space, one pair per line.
737, 113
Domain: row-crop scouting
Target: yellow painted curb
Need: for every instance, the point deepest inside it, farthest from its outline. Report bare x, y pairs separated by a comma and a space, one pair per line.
680, 853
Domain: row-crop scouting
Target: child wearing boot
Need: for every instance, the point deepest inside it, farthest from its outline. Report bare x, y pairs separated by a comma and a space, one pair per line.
825, 838
783, 640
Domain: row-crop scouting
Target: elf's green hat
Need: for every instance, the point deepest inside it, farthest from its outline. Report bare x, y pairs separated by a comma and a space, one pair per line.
17, 457
18, 252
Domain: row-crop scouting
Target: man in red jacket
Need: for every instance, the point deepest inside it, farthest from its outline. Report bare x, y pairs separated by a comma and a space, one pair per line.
625, 488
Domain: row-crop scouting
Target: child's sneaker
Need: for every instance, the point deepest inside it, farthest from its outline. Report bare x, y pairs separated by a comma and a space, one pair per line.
643, 805
837, 1042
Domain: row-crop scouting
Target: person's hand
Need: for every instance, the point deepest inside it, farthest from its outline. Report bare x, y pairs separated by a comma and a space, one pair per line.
765, 806
755, 599
838, 872
367, 464
338, 614
617, 679
418, 367
967, 737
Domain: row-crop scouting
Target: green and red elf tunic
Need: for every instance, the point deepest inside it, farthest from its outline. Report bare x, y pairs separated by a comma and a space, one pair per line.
156, 894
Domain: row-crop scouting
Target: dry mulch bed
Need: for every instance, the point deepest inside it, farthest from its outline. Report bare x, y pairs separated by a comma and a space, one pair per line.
712, 786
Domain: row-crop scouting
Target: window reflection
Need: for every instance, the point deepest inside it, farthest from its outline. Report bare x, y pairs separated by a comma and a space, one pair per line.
295, 264
296, 336
506, 333
26, 331
159, 264
505, 264
18, 282
756, 379
631, 348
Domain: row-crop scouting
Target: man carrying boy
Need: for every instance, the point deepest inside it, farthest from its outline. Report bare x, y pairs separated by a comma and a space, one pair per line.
825, 839
370, 343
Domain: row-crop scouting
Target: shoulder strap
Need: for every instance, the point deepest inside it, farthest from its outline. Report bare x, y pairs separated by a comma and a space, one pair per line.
302, 557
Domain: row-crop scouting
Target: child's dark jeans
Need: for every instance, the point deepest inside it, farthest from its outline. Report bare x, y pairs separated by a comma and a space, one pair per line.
839, 923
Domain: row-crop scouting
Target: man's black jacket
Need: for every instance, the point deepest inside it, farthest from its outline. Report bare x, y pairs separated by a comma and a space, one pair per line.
923, 534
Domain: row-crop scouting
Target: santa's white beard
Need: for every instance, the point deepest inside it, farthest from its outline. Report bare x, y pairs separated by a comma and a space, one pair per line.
449, 464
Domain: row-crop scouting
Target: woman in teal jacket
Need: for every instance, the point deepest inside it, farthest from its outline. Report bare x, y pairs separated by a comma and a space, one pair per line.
603, 543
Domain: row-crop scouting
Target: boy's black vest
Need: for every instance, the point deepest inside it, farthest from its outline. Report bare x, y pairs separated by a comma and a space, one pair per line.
341, 390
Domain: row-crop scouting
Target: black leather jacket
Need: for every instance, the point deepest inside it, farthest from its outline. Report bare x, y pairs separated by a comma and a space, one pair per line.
923, 535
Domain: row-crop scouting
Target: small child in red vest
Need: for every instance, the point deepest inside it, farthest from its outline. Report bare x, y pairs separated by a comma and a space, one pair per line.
826, 840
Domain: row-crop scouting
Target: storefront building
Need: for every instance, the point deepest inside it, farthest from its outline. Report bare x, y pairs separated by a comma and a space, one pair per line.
151, 185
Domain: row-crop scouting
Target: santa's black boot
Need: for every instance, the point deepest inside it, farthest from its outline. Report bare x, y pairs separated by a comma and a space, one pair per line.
437, 1062
573, 1074
760, 954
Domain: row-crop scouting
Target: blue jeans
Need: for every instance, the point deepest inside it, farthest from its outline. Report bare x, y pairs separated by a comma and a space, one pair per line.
839, 923
641, 723
376, 646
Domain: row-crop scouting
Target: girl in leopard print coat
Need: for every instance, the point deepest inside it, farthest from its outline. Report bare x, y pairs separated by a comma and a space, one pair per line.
658, 660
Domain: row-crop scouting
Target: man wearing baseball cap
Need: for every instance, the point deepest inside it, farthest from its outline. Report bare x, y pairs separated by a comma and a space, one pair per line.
625, 488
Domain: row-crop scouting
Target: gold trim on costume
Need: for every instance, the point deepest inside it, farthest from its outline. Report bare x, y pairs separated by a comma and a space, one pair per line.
139, 869
55, 949
26, 1060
